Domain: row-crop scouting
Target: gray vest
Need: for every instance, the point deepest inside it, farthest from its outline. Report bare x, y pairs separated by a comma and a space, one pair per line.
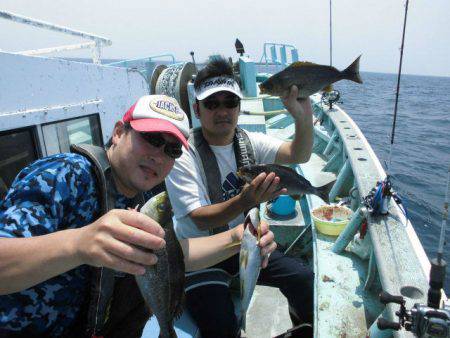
245, 155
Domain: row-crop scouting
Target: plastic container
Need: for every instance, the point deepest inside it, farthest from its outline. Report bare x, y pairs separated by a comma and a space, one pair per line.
331, 219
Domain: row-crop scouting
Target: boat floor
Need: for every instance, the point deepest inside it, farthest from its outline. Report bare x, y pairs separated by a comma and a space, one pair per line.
343, 308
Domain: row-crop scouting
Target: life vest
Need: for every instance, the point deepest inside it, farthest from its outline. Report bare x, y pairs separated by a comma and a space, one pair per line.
115, 306
245, 155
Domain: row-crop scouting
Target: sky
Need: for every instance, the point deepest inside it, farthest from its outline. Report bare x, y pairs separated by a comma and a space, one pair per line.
140, 28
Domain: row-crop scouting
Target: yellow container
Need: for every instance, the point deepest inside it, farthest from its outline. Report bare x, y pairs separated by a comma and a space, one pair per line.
331, 219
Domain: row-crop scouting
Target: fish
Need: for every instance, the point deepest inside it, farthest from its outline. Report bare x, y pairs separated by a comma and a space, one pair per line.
250, 260
309, 78
162, 285
295, 184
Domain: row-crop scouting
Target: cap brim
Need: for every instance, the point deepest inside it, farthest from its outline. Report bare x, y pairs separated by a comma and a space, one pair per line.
203, 95
159, 126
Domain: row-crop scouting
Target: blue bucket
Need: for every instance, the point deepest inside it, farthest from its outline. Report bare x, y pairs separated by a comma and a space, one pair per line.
283, 205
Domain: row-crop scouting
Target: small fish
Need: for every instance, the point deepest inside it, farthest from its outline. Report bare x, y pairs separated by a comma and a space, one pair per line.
309, 78
295, 184
162, 285
250, 260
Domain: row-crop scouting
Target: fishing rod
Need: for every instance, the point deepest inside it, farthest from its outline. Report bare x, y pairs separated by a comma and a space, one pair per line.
431, 320
398, 85
377, 201
331, 39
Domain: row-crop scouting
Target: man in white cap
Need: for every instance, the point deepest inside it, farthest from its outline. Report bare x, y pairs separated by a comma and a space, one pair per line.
71, 239
208, 197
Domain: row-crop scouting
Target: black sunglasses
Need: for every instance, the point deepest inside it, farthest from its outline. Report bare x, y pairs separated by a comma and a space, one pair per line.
229, 102
171, 149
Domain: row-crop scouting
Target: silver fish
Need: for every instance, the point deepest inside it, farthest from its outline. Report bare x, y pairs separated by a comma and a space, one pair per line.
249, 260
295, 184
309, 78
162, 285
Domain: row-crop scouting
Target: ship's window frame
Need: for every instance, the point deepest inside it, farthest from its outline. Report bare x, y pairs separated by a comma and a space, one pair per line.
35, 154
56, 139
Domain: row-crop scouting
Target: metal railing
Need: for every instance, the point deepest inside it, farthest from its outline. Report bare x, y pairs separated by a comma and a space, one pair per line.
95, 44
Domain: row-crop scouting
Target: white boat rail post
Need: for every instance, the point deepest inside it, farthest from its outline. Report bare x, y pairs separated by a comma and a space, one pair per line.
95, 45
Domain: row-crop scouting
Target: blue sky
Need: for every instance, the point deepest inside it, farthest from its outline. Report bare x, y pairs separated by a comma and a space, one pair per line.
140, 28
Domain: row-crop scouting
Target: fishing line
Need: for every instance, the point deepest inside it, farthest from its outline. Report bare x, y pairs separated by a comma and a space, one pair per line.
388, 165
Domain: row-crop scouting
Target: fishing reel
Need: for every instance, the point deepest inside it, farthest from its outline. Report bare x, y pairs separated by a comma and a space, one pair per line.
330, 97
423, 321
377, 200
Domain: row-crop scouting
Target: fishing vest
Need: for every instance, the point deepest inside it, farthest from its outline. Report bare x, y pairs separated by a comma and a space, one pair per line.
243, 150
113, 295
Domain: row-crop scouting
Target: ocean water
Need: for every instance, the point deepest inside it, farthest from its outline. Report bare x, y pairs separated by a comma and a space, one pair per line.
420, 156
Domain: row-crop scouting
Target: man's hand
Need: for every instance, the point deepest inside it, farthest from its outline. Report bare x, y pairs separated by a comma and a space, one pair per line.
298, 108
267, 243
121, 240
263, 188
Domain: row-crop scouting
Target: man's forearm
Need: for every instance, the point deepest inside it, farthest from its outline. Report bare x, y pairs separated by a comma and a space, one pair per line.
25, 262
299, 149
203, 252
219, 214
303, 141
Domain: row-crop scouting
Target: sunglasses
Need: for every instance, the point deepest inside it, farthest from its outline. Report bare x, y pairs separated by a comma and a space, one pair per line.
230, 102
171, 149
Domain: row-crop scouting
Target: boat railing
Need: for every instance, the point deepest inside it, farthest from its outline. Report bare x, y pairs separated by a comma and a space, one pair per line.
95, 45
136, 63
279, 55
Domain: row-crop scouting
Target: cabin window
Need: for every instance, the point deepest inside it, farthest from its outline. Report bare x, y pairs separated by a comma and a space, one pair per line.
17, 149
60, 135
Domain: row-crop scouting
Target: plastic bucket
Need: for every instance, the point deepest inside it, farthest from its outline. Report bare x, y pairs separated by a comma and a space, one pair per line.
331, 219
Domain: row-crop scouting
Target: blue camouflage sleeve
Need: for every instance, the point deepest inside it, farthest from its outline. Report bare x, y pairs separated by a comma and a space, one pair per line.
54, 193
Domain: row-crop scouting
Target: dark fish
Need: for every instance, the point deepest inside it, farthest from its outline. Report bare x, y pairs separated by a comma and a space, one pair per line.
309, 78
162, 285
295, 184
249, 260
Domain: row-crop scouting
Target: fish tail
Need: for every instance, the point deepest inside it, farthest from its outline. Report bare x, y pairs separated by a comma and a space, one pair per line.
324, 191
352, 72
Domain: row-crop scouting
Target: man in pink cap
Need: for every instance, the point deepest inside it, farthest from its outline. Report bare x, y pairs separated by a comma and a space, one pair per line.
71, 239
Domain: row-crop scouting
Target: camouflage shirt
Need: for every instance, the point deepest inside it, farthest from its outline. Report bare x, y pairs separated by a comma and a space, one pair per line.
52, 194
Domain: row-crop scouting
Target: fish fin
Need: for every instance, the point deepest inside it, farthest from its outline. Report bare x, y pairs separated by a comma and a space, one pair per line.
324, 191
352, 72
302, 64
296, 197
328, 88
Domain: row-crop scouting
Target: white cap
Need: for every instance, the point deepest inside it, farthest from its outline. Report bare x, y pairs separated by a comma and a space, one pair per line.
218, 84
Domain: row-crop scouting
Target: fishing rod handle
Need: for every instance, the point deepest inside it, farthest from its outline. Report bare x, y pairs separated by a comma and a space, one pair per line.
386, 298
384, 324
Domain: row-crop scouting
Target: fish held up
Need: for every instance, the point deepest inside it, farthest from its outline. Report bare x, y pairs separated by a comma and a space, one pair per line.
162, 285
295, 184
250, 260
309, 78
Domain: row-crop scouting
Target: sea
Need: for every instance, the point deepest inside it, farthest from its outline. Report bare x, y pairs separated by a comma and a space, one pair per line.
420, 155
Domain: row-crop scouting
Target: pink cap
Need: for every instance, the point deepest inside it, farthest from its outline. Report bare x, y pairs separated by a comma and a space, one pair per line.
159, 114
